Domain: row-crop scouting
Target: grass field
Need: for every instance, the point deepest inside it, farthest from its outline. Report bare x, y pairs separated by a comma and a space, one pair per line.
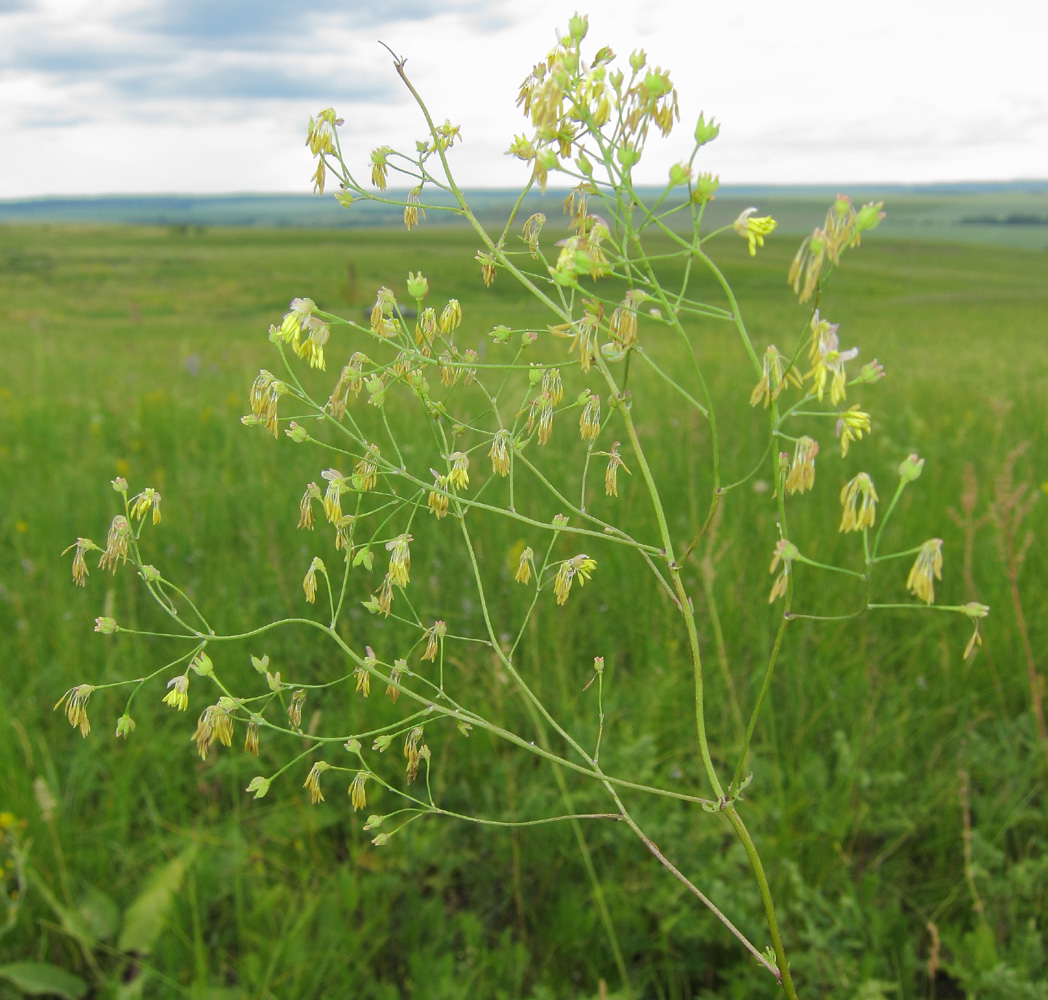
899, 797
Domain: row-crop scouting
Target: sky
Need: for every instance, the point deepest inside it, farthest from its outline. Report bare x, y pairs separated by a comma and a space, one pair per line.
213, 96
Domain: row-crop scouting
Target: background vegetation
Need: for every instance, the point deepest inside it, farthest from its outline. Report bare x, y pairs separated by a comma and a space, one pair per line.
905, 786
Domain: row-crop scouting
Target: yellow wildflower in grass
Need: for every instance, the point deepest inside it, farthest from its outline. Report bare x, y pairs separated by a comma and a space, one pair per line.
357, 795
147, 500
785, 552
412, 210
365, 472
488, 270
412, 752
451, 316
433, 635
578, 567
75, 702
117, 543
754, 228
399, 559
363, 679
828, 359
852, 424
178, 694
459, 474
251, 739
859, 499
589, 421
312, 781
266, 391
309, 583
384, 601
807, 265
215, 722
305, 506
438, 500
392, 690
774, 376
926, 569
336, 486
524, 566
801, 477
449, 374
611, 473
80, 572
379, 166
552, 385
530, 232
500, 454
294, 710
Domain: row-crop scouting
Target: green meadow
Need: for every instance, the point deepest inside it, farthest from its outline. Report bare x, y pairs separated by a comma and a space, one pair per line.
900, 791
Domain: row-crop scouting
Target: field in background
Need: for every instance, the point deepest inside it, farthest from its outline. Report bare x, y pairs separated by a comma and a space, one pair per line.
899, 792
1003, 214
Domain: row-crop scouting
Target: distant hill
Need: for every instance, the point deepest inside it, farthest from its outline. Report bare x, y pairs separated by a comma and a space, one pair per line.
1014, 212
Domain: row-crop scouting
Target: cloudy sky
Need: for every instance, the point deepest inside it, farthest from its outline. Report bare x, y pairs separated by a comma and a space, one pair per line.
123, 96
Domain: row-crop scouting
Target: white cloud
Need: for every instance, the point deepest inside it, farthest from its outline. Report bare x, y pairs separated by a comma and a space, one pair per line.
212, 95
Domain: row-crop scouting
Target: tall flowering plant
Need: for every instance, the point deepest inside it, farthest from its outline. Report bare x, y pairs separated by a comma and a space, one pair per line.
485, 405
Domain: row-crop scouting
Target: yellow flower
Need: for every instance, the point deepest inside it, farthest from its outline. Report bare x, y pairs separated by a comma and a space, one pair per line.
552, 385
379, 166
309, 584
828, 359
802, 472
399, 559
754, 228
178, 695
117, 543
365, 472
294, 710
412, 210
580, 567
305, 506
451, 316
438, 500
356, 791
433, 635
926, 568
499, 453
148, 499
860, 504
251, 739
851, 425
773, 377
75, 701
312, 781
527, 559
611, 473
785, 552
80, 572
459, 474
589, 422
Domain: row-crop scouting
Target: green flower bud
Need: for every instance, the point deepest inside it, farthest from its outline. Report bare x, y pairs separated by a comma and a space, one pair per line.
259, 785
578, 25
418, 286
910, 469
705, 131
680, 173
705, 188
869, 217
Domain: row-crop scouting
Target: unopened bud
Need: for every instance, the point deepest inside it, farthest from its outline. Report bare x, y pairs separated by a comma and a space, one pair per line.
705, 131
911, 468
